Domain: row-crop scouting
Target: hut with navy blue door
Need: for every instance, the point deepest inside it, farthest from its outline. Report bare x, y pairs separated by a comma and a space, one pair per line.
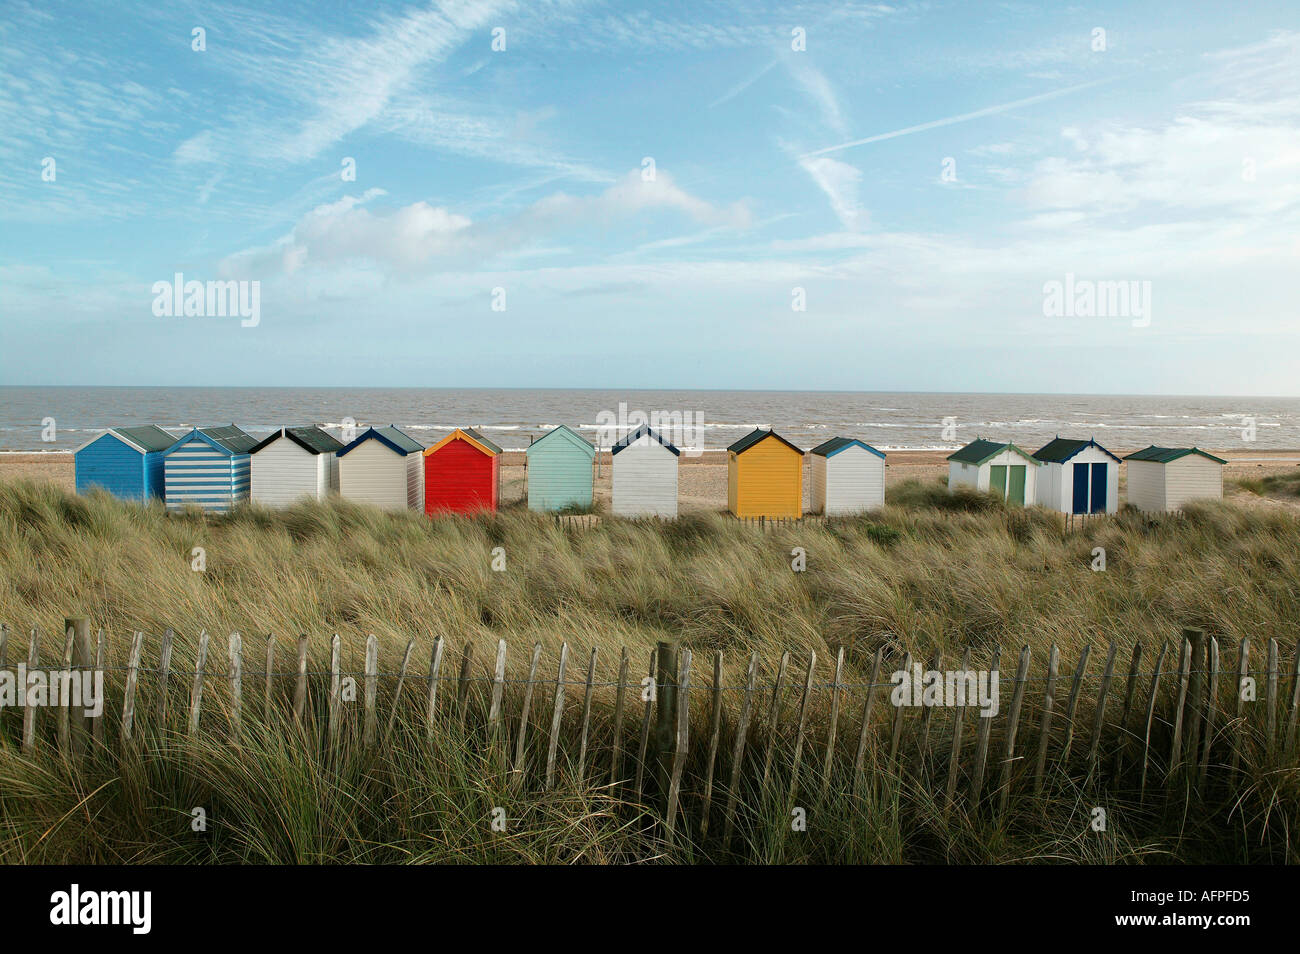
1000, 468
1078, 477
559, 471
848, 476
208, 468
384, 467
125, 461
295, 463
643, 480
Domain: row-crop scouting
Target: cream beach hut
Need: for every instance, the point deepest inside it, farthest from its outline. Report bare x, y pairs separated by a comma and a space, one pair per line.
383, 467
1161, 479
848, 476
644, 475
1078, 476
1003, 469
295, 463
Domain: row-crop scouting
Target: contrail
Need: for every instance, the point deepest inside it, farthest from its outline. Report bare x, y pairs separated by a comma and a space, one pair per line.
987, 111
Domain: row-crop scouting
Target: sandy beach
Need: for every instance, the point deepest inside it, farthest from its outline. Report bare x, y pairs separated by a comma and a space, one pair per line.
703, 479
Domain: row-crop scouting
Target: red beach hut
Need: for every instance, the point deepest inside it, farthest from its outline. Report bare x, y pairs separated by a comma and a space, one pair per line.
462, 474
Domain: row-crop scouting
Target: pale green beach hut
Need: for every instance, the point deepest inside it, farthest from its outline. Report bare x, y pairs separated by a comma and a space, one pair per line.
559, 471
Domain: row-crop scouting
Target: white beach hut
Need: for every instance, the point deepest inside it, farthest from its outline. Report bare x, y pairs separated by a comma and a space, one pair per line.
848, 476
1078, 477
644, 475
1161, 479
1003, 469
383, 467
293, 463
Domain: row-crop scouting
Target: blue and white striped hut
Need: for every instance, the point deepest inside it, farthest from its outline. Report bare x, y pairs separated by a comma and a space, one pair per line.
209, 468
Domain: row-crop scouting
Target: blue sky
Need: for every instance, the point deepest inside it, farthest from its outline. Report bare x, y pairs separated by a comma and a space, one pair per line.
1171, 156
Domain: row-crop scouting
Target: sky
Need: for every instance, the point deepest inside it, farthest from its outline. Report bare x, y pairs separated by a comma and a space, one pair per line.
556, 193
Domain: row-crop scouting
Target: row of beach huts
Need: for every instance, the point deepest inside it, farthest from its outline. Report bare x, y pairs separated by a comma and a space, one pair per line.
216, 468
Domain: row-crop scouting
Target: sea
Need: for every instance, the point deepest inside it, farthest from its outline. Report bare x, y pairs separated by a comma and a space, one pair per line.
64, 418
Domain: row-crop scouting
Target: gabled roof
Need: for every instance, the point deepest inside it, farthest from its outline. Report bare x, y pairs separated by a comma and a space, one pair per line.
756, 435
1166, 455
1061, 449
391, 437
979, 450
310, 438
470, 436
643, 431
229, 440
147, 438
836, 444
567, 434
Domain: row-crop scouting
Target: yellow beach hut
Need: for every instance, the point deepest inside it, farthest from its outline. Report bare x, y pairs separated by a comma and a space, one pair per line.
765, 476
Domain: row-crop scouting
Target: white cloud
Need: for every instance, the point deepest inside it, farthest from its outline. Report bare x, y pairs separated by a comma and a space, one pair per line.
840, 182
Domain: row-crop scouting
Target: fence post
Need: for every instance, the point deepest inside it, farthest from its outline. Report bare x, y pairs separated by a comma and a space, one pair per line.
196, 690
616, 750
64, 684
1295, 705
1122, 746
300, 687
954, 754
682, 741
1098, 717
371, 692
236, 650
557, 713
586, 715
1013, 723
650, 694
864, 731
498, 688
715, 730
773, 716
835, 720
982, 736
524, 712
101, 651
132, 674
1270, 705
665, 730
336, 681
1072, 704
1211, 707
1045, 722
1196, 685
1176, 748
803, 722
1243, 669
738, 753
435, 662
266, 683
83, 660
927, 715
164, 676
897, 735
1151, 711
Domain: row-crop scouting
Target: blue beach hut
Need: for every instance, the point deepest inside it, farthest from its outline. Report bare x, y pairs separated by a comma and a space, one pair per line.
125, 461
559, 471
208, 467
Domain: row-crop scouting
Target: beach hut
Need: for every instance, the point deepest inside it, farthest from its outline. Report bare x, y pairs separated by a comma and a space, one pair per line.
125, 461
559, 470
1077, 476
644, 475
1164, 478
382, 467
1004, 469
848, 476
209, 468
293, 463
764, 476
462, 474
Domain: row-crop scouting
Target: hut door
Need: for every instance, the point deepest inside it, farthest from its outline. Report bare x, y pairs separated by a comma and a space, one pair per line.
1080, 489
998, 479
1098, 488
1016, 492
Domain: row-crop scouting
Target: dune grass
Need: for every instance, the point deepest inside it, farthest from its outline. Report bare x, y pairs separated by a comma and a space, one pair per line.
934, 571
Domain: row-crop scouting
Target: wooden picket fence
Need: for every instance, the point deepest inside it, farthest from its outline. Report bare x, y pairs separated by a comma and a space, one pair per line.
686, 745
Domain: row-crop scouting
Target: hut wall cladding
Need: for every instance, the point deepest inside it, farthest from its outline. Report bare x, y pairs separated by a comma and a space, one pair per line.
643, 480
460, 478
767, 479
124, 469
1157, 487
560, 471
203, 474
374, 473
284, 472
850, 481
827, 731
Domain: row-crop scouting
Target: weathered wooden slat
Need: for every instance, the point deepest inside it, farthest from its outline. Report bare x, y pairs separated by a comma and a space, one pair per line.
64, 713
833, 728
738, 750
397, 693
431, 705
797, 760
235, 649
196, 688
864, 730
132, 675
101, 656
586, 716
616, 747
1243, 673
643, 746
773, 716
1195, 696
1124, 734
1288, 745
557, 713
1071, 706
266, 683
336, 688
927, 716
1211, 709
983, 733
1270, 699
498, 687
462, 687
1045, 721
1013, 723
954, 753
1099, 713
525, 714
29, 712
164, 678
896, 736
715, 732
300, 686
370, 721
1176, 746
682, 745
1151, 711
